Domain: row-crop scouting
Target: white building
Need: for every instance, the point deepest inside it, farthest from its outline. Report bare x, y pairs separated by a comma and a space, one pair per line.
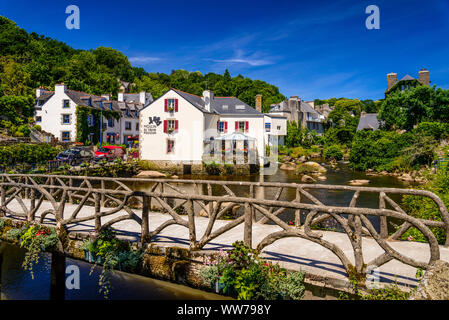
56, 114
182, 128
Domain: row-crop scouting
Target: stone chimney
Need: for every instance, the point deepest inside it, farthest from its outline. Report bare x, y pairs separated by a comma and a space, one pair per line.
142, 97
392, 78
120, 97
259, 103
208, 97
424, 77
60, 88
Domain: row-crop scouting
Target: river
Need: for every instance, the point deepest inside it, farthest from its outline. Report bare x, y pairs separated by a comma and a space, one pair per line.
17, 283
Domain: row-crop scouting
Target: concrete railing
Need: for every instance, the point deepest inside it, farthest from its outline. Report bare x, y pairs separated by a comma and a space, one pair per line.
114, 197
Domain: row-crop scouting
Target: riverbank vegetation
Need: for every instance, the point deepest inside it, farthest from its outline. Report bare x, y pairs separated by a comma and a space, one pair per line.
241, 273
27, 153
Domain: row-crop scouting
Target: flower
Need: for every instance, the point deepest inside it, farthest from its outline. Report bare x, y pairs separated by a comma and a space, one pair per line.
410, 238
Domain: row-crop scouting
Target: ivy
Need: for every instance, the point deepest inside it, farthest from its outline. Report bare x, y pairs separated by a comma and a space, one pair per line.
83, 130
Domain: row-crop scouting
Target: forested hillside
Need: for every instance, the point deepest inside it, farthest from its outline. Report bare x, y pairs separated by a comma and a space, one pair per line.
29, 60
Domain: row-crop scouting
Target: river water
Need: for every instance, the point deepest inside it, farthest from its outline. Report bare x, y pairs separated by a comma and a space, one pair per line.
18, 284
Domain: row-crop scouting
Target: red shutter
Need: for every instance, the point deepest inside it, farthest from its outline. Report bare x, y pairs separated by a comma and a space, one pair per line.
236, 126
176, 105
165, 125
176, 125
218, 125
166, 106
226, 126
246, 126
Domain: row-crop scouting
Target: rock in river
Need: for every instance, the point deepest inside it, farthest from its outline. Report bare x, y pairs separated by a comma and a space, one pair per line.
150, 174
358, 182
306, 178
310, 167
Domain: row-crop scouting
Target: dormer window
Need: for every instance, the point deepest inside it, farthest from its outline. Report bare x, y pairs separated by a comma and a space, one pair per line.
101, 104
240, 107
127, 112
110, 106
225, 107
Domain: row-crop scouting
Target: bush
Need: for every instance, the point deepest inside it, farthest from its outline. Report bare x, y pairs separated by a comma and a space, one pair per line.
27, 153
240, 272
37, 127
333, 152
425, 208
437, 130
378, 149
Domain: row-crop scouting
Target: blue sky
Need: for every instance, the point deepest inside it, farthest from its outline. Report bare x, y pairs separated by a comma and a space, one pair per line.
312, 49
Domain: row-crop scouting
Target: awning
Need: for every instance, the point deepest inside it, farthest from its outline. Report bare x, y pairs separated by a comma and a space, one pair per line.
235, 136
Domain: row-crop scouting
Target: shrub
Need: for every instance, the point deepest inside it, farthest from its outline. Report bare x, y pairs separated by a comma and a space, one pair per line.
27, 153
37, 127
378, 149
333, 152
240, 272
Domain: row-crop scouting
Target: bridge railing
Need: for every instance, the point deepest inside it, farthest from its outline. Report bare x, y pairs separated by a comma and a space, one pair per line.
36, 197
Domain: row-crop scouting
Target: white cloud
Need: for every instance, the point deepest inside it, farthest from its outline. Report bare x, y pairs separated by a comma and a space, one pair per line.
143, 59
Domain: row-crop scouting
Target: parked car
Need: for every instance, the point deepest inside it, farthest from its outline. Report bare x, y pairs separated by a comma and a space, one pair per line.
75, 155
109, 153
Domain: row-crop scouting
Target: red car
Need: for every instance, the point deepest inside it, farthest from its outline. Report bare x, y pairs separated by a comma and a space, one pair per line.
109, 153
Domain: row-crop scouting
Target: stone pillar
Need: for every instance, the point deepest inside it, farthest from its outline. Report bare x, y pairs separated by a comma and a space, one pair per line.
239, 152
229, 155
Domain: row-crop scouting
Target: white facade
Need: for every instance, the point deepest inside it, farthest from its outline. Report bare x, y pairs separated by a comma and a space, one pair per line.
50, 115
187, 140
56, 114
195, 120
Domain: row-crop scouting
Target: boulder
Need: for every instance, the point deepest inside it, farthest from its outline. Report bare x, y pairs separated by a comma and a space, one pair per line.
358, 182
306, 178
301, 159
310, 167
286, 159
434, 284
406, 177
150, 174
322, 178
288, 166
174, 177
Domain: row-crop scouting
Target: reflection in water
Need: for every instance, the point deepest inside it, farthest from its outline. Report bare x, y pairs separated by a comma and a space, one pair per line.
16, 284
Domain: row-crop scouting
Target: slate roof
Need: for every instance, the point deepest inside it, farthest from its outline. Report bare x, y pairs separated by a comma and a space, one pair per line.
135, 98
45, 96
305, 107
407, 77
368, 121
232, 109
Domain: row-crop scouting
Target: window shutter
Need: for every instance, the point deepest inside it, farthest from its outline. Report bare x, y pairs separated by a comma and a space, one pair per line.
246, 126
218, 125
226, 126
236, 126
166, 106
176, 105
176, 125
165, 124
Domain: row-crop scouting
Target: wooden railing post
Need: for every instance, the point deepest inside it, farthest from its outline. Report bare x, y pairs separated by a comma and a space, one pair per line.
97, 213
70, 192
145, 219
2, 201
248, 232
298, 211
102, 195
32, 214
383, 219
192, 230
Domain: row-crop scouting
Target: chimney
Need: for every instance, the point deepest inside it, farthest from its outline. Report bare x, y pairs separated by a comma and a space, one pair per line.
424, 77
142, 97
208, 97
259, 103
120, 96
392, 78
40, 91
60, 88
